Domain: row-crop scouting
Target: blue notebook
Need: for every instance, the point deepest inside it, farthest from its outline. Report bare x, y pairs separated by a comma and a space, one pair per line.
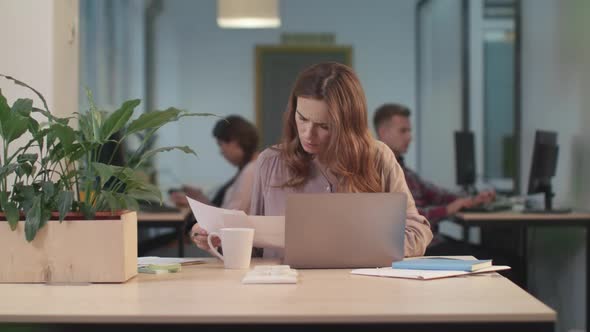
436, 263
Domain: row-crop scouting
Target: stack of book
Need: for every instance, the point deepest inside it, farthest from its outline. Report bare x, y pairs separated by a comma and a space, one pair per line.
443, 263
428, 268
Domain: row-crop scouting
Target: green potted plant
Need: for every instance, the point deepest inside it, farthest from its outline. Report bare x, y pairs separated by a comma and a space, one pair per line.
59, 192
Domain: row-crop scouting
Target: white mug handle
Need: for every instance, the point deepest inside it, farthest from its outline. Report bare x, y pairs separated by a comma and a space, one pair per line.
213, 250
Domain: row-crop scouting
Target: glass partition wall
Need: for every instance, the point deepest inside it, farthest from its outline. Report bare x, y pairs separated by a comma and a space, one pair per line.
467, 80
499, 40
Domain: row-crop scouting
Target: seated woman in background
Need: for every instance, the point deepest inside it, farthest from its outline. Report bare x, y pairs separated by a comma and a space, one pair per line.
238, 143
327, 147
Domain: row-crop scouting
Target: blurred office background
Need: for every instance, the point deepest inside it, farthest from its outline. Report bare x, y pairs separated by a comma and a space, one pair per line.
499, 68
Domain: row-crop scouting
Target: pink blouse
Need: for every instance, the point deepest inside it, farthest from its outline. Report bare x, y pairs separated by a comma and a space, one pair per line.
269, 199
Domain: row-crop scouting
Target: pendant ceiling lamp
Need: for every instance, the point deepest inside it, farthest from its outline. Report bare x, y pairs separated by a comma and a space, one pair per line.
248, 14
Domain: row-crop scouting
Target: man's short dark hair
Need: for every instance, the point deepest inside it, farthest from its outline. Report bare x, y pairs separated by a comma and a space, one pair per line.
236, 128
386, 111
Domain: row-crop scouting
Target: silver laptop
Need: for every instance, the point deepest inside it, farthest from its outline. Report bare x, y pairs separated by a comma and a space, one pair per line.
344, 230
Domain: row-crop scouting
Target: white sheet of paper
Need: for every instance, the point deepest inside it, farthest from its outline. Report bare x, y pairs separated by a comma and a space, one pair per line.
269, 231
421, 274
210, 218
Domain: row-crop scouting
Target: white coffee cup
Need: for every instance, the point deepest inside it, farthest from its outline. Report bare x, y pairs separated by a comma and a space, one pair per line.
237, 246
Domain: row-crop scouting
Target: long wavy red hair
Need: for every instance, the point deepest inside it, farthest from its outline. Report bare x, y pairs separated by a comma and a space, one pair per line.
350, 153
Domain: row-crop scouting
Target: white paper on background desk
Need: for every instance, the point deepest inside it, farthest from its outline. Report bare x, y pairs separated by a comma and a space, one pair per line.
422, 274
269, 232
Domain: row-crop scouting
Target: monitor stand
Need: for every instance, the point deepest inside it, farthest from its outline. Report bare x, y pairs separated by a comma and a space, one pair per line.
549, 209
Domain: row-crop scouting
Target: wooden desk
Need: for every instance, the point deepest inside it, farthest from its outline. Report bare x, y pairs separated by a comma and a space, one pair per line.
207, 296
166, 219
525, 220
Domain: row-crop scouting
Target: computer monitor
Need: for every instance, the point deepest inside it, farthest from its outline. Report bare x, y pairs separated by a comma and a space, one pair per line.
543, 166
465, 160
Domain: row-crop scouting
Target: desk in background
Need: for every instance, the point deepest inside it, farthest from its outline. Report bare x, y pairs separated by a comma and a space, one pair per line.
165, 219
525, 220
208, 296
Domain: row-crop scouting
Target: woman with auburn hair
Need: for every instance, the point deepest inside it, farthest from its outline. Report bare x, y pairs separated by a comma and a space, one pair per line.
330, 98
327, 147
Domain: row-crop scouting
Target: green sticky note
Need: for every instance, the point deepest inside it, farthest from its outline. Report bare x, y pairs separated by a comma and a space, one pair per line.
159, 269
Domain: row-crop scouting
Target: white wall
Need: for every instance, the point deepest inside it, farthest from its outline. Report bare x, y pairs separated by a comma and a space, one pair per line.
555, 80
27, 55
40, 48
203, 68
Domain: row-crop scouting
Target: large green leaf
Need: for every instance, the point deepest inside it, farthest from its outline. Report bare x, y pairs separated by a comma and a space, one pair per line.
130, 202
27, 158
77, 152
24, 169
64, 203
7, 170
23, 107
146, 191
112, 202
51, 136
48, 188
132, 177
3, 199
34, 129
119, 118
19, 126
124, 174
4, 113
186, 114
26, 163
105, 172
34, 219
11, 215
153, 119
66, 135
148, 154
152, 188
26, 195
142, 195
85, 127
96, 118
13, 126
56, 153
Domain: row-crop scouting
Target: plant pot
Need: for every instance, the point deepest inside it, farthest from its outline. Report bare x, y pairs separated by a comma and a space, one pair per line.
75, 250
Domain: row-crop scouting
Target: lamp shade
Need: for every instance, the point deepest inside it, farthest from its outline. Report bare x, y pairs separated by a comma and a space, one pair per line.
250, 14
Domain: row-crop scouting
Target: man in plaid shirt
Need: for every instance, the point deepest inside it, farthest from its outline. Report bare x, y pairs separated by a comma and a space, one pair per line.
392, 124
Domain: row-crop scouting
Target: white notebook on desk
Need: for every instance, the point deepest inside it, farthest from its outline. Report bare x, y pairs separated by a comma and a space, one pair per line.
388, 272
